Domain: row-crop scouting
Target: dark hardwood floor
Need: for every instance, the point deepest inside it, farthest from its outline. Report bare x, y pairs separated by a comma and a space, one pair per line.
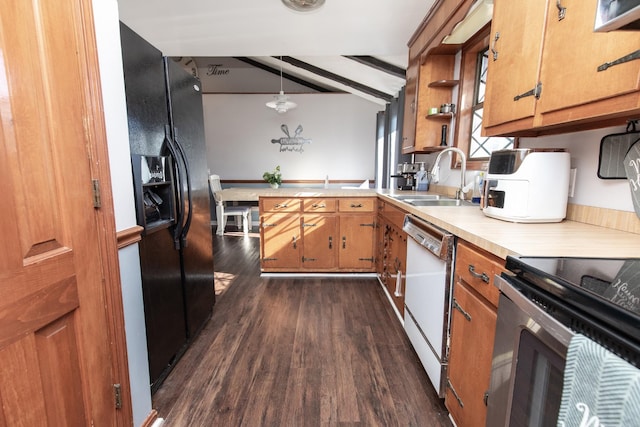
297, 352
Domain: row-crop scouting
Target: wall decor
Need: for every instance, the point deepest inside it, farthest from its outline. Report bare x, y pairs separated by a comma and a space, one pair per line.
291, 143
217, 70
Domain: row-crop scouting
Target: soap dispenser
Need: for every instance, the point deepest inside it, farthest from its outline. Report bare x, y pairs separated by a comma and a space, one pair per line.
422, 179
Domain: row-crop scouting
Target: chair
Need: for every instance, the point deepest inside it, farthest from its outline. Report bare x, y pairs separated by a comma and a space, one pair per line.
223, 211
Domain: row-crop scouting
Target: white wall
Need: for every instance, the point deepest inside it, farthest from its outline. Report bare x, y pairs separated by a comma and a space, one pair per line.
239, 129
585, 151
115, 113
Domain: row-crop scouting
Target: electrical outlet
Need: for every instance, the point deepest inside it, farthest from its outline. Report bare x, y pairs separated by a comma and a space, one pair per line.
572, 181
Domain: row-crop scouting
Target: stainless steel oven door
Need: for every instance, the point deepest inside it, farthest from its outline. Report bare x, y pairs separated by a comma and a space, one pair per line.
528, 363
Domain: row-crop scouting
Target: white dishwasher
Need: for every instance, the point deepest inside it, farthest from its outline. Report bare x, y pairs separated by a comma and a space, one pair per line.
429, 279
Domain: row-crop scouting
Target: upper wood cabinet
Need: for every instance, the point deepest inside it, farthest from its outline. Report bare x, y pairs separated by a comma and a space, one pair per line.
435, 87
430, 76
410, 108
549, 74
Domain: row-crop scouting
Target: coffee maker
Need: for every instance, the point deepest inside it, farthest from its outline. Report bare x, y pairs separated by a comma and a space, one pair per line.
405, 176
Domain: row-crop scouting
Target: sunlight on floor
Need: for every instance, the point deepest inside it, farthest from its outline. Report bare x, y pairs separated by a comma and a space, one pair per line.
222, 281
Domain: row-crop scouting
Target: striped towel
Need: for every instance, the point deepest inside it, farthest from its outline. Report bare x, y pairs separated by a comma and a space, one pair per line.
600, 389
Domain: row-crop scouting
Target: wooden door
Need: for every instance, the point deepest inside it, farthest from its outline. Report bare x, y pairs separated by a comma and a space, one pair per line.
516, 37
320, 240
571, 57
473, 323
356, 242
280, 241
55, 328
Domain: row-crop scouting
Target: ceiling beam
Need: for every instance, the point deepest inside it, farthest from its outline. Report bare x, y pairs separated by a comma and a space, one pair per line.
276, 71
337, 78
379, 65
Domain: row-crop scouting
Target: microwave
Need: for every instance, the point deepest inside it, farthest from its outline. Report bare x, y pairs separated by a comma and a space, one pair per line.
617, 15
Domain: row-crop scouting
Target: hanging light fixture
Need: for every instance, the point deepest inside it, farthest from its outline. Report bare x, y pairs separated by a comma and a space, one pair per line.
303, 5
281, 101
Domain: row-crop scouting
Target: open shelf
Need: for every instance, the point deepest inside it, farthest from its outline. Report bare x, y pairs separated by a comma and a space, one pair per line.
444, 83
439, 116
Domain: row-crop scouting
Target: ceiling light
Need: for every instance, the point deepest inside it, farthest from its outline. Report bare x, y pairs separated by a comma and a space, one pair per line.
479, 15
281, 101
303, 5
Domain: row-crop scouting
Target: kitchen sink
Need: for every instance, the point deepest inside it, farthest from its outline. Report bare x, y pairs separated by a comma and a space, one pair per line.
439, 202
430, 200
405, 197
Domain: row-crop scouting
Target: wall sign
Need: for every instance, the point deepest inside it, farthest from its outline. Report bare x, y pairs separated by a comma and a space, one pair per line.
217, 70
291, 143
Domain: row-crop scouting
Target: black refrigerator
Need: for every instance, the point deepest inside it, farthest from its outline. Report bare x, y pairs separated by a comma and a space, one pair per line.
168, 155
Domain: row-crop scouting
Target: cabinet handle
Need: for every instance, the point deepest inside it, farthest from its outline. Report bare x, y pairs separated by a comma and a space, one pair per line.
562, 11
455, 394
316, 206
536, 91
294, 241
493, 46
626, 58
353, 205
398, 291
482, 275
278, 205
485, 398
461, 310
344, 242
330, 242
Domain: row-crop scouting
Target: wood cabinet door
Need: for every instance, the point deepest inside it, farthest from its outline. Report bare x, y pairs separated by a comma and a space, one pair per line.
517, 30
572, 54
55, 332
356, 242
280, 240
472, 334
320, 241
410, 107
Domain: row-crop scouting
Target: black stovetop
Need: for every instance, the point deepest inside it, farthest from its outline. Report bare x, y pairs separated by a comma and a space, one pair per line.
606, 290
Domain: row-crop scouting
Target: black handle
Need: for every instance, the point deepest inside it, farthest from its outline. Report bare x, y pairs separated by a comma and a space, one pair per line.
189, 207
178, 178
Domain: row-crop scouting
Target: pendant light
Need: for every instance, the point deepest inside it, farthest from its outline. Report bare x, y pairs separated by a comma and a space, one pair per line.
303, 5
281, 101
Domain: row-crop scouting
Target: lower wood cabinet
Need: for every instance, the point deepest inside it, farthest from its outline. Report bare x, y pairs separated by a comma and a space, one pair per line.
317, 234
280, 238
392, 251
473, 323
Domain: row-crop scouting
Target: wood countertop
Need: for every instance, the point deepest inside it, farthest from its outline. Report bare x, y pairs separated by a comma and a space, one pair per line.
502, 238
253, 194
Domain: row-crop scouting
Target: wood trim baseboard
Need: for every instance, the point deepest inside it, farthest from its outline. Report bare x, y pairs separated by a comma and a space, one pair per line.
129, 236
151, 418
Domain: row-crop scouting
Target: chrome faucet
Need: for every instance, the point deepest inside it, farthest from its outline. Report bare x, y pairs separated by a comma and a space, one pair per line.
435, 172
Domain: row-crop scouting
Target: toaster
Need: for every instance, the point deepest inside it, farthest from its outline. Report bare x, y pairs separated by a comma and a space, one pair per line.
527, 185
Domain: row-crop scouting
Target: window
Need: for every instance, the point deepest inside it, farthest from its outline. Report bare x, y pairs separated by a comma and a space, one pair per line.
473, 78
480, 147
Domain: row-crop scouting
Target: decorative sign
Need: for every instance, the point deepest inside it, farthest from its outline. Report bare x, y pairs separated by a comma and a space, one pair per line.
291, 143
216, 70
632, 168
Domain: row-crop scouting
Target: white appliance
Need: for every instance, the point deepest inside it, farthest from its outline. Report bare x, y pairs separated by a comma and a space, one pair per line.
429, 278
527, 185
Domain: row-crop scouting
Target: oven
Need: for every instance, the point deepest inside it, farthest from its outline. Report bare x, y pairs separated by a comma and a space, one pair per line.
545, 303
430, 253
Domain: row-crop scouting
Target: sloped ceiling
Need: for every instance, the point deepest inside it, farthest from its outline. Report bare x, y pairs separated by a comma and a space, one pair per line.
353, 46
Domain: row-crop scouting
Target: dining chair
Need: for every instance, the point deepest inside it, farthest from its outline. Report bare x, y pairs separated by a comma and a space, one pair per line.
241, 213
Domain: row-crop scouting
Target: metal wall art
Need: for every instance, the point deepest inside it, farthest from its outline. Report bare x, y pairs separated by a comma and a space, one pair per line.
291, 143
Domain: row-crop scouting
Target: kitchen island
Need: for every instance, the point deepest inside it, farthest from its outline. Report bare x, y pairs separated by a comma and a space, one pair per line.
501, 238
